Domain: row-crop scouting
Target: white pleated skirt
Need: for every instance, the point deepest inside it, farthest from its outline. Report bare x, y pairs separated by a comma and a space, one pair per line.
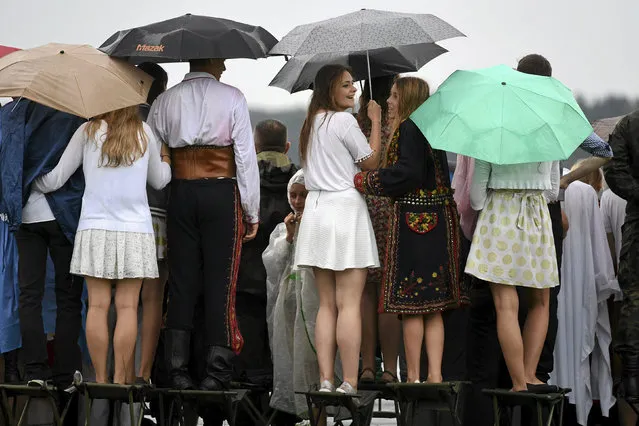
336, 232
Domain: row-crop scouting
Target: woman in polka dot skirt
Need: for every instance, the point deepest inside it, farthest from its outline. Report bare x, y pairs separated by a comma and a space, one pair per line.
513, 246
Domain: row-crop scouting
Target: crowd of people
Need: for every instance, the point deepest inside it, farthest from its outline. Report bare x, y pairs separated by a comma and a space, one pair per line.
291, 277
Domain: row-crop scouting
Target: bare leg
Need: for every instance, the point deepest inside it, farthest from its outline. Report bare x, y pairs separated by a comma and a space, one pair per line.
369, 330
127, 297
509, 333
534, 333
152, 297
413, 326
97, 330
348, 294
627, 416
390, 331
325, 323
434, 339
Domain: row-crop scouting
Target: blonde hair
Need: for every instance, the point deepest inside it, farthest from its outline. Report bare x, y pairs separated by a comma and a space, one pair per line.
125, 140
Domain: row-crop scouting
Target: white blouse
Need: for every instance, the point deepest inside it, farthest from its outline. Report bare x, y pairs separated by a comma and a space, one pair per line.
114, 197
336, 145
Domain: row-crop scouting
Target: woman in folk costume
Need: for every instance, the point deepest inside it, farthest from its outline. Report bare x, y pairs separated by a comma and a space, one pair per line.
336, 236
292, 304
513, 246
422, 271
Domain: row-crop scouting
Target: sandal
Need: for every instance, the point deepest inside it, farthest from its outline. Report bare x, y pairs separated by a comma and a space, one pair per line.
388, 373
363, 379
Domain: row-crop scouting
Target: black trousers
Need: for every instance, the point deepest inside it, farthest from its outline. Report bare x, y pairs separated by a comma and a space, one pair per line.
485, 364
204, 231
34, 242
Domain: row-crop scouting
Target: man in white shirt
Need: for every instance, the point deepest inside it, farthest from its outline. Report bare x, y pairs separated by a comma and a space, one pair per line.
213, 207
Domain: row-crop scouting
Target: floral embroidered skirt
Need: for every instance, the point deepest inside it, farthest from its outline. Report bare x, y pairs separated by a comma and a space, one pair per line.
513, 242
422, 271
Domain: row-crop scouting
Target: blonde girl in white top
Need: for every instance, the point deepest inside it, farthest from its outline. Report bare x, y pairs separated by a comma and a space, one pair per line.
114, 243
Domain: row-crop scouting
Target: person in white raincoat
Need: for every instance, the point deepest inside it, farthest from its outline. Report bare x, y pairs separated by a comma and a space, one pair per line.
292, 304
582, 357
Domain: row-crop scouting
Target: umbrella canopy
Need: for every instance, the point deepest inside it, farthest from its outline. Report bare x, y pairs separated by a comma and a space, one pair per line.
190, 37
77, 79
604, 127
5, 50
503, 116
366, 29
299, 72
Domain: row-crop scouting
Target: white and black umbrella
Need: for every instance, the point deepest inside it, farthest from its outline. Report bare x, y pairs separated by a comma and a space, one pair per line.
366, 29
363, 31
190, 37
299, 71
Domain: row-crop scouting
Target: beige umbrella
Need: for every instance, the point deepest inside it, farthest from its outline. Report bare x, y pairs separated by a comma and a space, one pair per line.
604, 127
77, 79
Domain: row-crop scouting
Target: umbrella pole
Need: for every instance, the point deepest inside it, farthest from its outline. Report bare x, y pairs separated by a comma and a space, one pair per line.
370, 80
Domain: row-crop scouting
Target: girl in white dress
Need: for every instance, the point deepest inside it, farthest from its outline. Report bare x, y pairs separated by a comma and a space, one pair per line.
114, 243
335, 236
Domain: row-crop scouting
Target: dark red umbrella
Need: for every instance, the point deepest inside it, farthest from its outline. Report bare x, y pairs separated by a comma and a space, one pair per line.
5, 50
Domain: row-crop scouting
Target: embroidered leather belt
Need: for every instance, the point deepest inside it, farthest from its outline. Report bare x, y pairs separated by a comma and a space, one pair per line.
431, 200
203, 162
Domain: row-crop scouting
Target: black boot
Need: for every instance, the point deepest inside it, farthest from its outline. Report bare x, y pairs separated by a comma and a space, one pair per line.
630, 381
176, 351
219, 369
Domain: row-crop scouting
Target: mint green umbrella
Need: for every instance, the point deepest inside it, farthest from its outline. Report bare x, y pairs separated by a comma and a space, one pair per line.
503, 116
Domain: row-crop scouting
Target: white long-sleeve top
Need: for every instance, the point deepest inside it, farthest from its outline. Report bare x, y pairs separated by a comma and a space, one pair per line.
114, 197
527, 176
202, 111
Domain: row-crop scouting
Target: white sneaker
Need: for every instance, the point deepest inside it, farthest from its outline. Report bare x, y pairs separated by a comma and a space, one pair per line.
347, 388
326, 386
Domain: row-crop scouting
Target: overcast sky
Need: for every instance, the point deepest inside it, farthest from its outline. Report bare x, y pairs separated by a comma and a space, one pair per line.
591, 44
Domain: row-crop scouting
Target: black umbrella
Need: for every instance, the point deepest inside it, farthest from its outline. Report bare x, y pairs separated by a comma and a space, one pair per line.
299, 71
190, 37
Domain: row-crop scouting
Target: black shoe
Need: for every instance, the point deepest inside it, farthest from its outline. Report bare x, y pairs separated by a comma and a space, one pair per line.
542, 388
177, 352
219, 369
37, 371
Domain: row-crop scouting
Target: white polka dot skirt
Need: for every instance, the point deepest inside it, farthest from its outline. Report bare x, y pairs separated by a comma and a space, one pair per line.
513, 243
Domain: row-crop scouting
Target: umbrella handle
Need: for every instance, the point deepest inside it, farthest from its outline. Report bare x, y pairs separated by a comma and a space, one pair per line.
370, 80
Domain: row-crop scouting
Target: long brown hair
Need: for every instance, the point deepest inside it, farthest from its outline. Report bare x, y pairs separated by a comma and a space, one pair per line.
412, 91
125, 140
326, 81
